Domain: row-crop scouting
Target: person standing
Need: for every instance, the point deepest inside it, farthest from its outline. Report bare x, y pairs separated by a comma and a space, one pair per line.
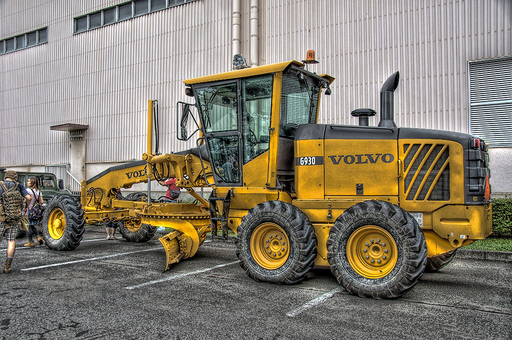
173, 192
11, 212
36, 198
112, 224
110, 227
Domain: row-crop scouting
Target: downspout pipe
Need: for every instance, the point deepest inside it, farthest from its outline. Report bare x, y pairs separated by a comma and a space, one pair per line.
236, 43
255, 55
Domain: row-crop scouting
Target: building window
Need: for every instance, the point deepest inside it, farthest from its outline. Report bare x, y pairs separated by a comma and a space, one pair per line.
490, 97
20, 42
43, 36
81, 24
95, 20
24, 40
125, 11
31, 39
141, 7
121, 12
9, 45
157, 5
109, 16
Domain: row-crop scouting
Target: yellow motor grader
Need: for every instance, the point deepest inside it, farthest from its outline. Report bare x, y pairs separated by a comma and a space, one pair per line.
376, 204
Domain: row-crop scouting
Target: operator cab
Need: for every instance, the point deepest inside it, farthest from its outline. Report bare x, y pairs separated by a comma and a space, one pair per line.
247, 114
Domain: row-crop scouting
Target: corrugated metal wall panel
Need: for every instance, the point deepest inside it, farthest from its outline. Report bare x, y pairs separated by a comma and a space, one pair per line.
104, 77
361, 43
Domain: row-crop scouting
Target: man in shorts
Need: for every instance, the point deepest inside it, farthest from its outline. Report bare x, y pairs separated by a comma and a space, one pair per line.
10, 229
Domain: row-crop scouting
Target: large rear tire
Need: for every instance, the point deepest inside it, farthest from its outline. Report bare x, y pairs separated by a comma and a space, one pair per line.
63, 223
438, 262
133, 231
276, 243
376, 249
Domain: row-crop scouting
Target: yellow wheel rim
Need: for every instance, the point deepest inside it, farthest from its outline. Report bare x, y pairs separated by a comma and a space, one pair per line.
270, 246
56, 224
372, 252
132, 225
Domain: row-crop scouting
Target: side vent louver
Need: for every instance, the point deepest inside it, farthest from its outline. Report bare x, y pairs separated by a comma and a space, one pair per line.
427, 172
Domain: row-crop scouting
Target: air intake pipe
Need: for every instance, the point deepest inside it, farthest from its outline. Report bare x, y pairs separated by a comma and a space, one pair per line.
387, 118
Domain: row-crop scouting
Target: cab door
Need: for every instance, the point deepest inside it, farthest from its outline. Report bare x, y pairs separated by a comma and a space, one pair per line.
219, 110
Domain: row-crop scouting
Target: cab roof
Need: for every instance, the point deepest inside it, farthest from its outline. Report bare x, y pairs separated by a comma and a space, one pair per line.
249, 72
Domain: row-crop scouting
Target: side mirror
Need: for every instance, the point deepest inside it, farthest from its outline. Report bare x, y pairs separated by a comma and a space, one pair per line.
185, 114
60, 184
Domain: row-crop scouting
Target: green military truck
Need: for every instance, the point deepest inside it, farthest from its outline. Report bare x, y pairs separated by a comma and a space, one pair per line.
49, 184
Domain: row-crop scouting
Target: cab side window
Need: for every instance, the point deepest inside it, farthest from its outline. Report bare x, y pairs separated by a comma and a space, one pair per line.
256, 114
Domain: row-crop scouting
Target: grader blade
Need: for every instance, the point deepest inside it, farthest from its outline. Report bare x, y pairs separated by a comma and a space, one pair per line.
171, 243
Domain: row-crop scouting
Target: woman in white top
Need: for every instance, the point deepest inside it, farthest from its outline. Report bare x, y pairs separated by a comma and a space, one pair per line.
37, 197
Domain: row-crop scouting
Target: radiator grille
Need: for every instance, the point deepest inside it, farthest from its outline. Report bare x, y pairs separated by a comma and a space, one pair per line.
427, 172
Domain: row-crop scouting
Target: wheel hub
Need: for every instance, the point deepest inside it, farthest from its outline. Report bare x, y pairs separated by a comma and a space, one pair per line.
132, 225
270, 246
56, 224
375, 252
372, 252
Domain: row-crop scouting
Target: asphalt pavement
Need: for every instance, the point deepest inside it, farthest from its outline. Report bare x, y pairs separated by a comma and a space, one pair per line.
116, 290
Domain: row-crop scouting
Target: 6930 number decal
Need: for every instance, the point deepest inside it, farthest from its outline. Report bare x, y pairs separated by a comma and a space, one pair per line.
309, 160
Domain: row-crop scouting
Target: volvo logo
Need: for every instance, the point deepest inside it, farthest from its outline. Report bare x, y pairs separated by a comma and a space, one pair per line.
135, 174
367, 158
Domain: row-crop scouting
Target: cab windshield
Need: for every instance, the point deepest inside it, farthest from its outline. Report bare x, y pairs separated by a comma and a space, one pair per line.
236, 119
299, 101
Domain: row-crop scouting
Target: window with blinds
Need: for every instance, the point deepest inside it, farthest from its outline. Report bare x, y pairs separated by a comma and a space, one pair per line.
121, 12
490, 99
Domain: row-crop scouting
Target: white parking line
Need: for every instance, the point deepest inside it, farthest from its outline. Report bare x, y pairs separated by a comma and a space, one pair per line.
83, 241
91, 259
94, 239
180, 276
314, 302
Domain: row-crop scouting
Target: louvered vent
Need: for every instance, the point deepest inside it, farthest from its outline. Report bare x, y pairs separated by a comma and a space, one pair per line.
427, 172
490, 83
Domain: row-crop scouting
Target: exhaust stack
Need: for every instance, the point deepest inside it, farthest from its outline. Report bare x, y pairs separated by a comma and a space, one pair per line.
387, 117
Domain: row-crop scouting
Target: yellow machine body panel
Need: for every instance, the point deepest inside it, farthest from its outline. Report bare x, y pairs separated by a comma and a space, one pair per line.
310, 169
361, 167
358, 163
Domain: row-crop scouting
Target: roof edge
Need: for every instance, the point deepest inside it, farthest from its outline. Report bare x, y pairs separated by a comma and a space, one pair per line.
243, 73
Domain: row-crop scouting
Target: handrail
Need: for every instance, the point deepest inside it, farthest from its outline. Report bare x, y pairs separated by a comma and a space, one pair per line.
74, 184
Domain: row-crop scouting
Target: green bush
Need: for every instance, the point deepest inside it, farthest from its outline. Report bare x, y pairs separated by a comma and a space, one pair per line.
502, 216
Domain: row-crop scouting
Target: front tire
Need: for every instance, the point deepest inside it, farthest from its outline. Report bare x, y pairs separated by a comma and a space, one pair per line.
133, 231
276, 243
63, 223
376, 249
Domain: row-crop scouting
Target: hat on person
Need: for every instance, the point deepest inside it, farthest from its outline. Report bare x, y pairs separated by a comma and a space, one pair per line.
11, 175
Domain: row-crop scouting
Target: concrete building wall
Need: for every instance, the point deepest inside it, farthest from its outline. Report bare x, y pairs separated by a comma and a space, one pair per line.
103, 78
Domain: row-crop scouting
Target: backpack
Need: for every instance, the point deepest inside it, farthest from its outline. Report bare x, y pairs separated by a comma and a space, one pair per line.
36, 212
12, 202
174, 193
